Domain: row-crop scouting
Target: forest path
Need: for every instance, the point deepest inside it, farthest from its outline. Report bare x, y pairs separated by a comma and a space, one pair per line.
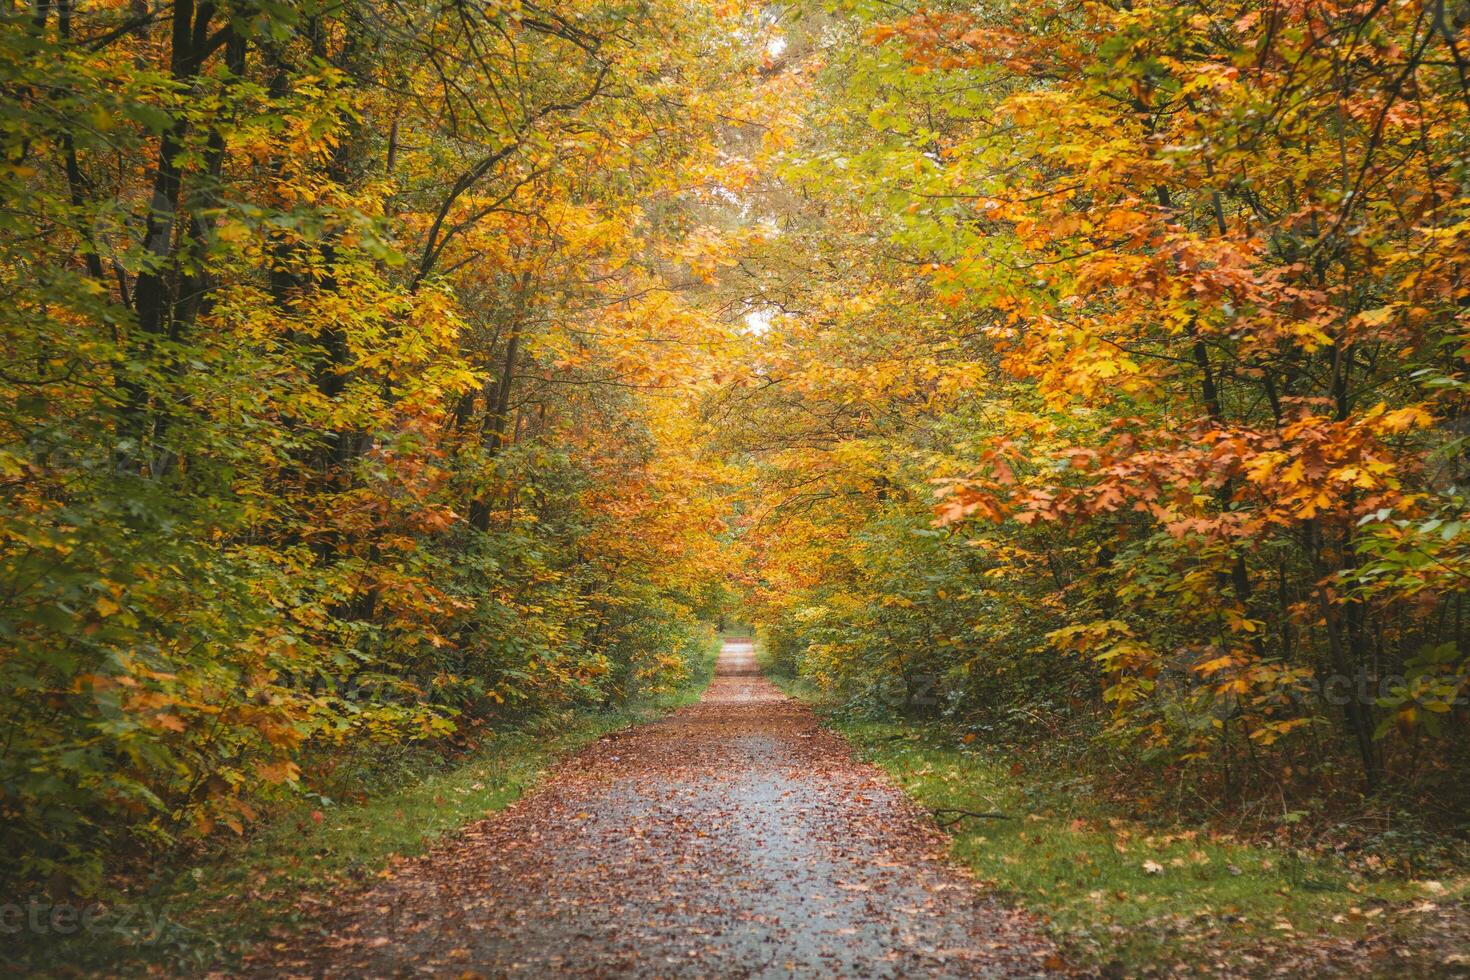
736, 837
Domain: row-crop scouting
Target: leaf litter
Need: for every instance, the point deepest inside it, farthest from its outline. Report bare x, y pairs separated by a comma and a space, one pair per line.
737, 837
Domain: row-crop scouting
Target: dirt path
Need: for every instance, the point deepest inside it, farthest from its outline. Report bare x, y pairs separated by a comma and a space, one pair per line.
734, 838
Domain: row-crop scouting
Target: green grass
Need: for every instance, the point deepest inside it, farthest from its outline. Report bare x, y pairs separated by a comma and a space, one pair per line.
1124, 897
193, 915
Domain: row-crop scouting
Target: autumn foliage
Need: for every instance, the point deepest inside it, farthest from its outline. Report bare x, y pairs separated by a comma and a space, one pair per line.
1127, 380
333, 349
1076, 370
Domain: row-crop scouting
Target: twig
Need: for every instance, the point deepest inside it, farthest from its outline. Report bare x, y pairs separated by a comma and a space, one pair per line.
962, 814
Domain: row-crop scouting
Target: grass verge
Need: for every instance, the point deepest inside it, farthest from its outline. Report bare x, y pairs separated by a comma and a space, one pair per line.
1124, 897
204, 913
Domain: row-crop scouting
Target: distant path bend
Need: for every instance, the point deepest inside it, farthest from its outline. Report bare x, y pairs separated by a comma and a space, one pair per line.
736, 837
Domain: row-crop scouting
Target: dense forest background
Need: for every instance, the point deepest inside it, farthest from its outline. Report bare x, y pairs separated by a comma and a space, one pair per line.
1079, 373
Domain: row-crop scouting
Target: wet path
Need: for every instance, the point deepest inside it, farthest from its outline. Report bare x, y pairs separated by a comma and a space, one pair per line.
734, 838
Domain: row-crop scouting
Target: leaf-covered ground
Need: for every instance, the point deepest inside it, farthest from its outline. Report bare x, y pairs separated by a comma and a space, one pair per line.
737, 837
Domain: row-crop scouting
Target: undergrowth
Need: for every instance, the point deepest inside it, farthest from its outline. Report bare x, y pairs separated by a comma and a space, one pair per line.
205, 910
1127, 893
